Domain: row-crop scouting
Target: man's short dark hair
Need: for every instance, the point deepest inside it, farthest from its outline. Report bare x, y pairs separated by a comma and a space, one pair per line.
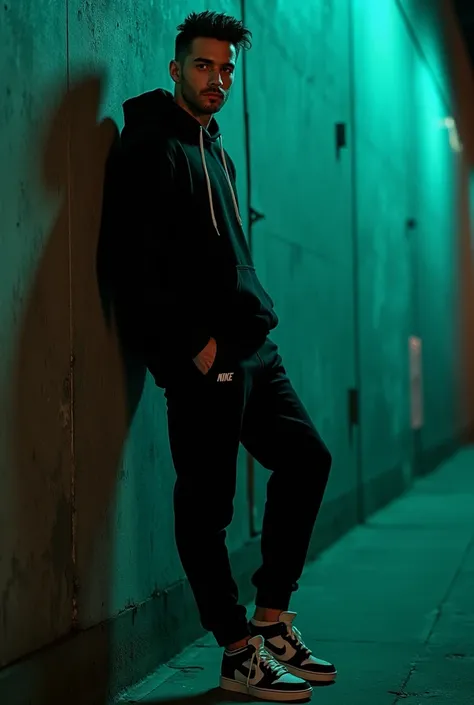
214, 25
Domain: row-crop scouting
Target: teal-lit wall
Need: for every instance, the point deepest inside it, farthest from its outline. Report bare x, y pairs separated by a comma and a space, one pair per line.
86, 526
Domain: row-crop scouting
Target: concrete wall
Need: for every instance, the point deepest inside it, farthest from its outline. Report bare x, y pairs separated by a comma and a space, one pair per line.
304, 246
91, 587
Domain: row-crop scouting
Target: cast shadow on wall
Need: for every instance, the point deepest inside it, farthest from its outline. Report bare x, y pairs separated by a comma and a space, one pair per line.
75, 392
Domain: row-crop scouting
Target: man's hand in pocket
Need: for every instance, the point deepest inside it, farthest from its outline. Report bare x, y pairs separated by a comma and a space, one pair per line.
205, 359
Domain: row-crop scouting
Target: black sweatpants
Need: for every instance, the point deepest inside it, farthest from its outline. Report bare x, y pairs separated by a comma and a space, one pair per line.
247, 399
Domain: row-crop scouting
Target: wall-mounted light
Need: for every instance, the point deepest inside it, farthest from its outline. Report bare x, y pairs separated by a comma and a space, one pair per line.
450, 124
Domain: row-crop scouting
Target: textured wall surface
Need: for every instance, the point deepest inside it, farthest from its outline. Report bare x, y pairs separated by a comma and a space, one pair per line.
303, 247
86, 524
35, 391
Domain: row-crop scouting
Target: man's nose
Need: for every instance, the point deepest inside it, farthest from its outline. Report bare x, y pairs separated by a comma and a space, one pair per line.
216, 79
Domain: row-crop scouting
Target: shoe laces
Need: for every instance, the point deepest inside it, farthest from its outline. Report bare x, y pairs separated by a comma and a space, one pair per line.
295, 636
265, 659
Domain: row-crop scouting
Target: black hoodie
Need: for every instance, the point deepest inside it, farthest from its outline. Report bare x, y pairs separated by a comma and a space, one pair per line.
188, 274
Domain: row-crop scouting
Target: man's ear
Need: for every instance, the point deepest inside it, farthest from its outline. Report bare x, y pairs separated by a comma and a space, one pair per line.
175, 71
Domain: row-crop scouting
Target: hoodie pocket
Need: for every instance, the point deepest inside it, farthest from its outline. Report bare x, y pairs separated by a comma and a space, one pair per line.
252, 296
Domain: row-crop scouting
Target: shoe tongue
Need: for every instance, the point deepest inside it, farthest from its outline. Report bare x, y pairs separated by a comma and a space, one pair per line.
287, 617
256, 641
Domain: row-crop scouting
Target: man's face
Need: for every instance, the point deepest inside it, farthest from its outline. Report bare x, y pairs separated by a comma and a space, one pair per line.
207, 75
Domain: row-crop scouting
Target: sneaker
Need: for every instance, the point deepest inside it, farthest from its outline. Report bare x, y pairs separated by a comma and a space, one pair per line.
285, 644
253, 671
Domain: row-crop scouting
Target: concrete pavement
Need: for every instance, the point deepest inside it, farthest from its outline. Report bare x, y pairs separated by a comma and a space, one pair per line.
391, 604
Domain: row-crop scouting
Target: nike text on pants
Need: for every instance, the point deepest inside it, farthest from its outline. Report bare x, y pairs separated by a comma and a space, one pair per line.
248, 400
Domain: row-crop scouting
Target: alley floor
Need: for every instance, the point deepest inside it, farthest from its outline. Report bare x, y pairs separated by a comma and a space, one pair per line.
391, 604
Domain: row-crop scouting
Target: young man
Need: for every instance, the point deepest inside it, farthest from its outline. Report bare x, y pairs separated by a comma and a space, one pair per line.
198, 315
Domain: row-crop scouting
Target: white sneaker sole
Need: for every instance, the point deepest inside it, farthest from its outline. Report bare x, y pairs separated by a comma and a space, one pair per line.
308, 676
273, 695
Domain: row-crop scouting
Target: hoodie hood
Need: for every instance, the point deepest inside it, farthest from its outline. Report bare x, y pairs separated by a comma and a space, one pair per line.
157, 112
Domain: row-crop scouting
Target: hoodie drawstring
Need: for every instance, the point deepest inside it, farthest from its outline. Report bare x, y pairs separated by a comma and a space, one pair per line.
209, 190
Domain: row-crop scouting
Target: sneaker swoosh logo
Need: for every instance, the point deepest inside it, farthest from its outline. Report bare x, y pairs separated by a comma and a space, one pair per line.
246, 672
279, 650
